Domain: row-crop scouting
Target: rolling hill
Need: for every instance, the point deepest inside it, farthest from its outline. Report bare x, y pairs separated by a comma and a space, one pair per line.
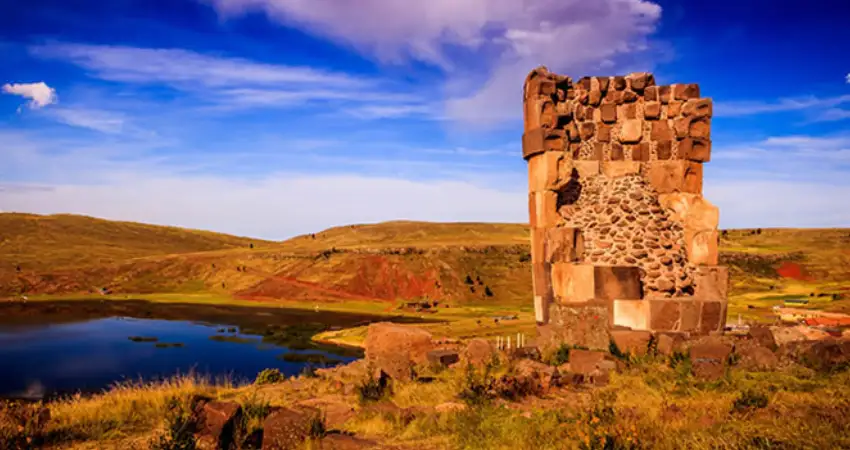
458, 263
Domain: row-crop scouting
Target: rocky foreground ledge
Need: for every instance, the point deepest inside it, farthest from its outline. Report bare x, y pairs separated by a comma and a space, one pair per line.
414, 391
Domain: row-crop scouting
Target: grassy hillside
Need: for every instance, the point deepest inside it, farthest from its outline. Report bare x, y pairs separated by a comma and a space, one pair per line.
389, 262
61, 241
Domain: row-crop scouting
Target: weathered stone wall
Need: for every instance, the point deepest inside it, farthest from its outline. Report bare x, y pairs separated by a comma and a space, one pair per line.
615, 203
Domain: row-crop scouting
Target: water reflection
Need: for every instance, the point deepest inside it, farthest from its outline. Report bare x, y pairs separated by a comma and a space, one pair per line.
92, 355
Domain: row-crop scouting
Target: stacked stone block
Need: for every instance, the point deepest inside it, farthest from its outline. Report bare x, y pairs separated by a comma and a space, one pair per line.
620, 233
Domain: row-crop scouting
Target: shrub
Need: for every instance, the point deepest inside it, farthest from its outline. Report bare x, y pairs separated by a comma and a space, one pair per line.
487, 291
469, 280
269, 376
179, 428
561, 355
477, 387
749, 400
22, 425
372, 389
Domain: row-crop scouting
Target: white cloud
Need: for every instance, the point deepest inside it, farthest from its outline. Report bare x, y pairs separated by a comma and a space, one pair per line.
98, 120
746, 108
187, 69
233, 83
793, 149
39, 94
847, 78
485, 46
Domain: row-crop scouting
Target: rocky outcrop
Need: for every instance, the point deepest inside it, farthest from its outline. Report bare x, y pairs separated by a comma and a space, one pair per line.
397, 350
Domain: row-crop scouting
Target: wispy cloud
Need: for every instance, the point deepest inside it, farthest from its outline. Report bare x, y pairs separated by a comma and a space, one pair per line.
236, 83
186, 69
97, 120
486, 47
746, 108
796, 149
39, 94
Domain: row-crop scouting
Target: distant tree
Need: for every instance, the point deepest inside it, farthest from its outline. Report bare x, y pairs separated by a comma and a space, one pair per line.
18, 268
758, 231
313, 235
487, 291
724, 233
252, 245
478, 280
469, 280
223, 285
472, 289
238, 268
244, 268
213, 265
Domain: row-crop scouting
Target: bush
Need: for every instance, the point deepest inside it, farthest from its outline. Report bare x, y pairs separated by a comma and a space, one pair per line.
269, 376
477, 387
180, 427
372, 389
561, 355
749, 400
22, 425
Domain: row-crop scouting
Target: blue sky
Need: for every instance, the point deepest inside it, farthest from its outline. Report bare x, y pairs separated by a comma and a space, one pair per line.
272, 118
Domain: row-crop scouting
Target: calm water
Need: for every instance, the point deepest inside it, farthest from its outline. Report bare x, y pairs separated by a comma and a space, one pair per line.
89, 356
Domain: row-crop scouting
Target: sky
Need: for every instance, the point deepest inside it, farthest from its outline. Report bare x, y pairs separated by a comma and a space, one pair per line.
273, 118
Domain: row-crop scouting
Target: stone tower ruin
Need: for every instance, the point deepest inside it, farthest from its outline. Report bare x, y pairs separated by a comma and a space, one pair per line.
621, 236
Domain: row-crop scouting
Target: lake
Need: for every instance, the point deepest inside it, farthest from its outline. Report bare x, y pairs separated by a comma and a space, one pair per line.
47, 352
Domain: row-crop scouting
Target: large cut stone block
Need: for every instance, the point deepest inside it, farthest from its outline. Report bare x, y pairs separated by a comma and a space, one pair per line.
690, 311
617, 282
713, 317
691, 210
543, 171
674, 176
538, 245
540, 140
697, 108
541, 309
632, 342
563, 244
583, 325
541, 280
542, 209
631, 131
573, 283
695, 149
665, 315
711, 283
615, 169
702, 248
632, 314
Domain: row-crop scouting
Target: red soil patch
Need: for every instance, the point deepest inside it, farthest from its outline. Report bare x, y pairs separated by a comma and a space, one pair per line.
291, 289
792, 270
381, 277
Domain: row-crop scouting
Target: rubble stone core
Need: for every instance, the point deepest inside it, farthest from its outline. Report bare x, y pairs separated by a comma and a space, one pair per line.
620, 233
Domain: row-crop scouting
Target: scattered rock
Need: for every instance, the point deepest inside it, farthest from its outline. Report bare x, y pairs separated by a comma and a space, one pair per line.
397, 349
763, 336
216, 424
584, 361
755, 357
670, 343
536, 372
443, 358
709, 357
287, 429
480, 352
632, 342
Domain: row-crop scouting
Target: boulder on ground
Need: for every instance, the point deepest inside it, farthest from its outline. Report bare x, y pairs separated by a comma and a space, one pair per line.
709, 358
546, 376
632, 342
443, 358
755, 357
784, 335
287, 429
826, 355
216, 423
479, 352
585, 361
396, 349
763, 336
670, 343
